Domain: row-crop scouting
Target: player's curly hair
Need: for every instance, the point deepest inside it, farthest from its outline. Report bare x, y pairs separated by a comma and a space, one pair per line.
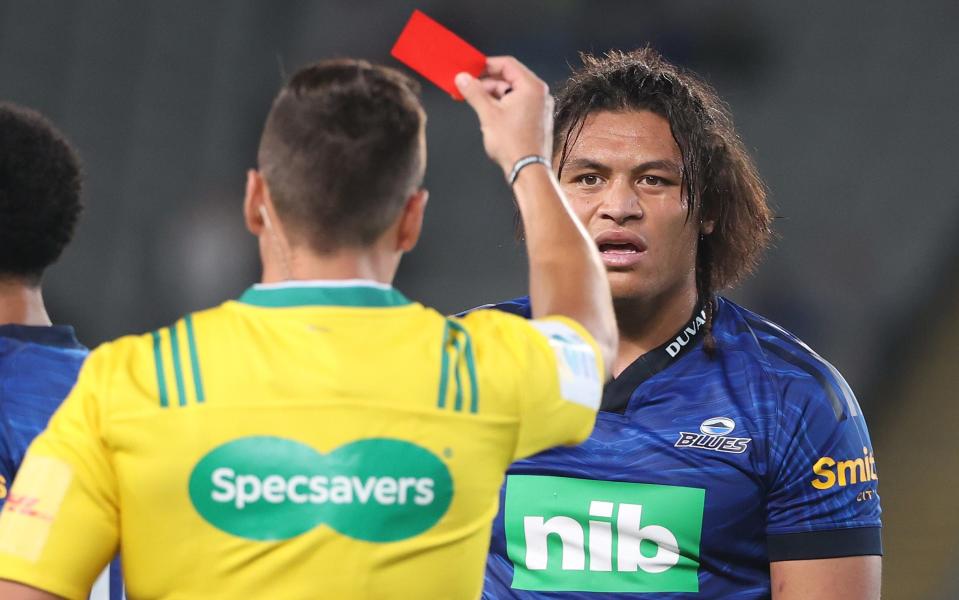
40, 188
720, 180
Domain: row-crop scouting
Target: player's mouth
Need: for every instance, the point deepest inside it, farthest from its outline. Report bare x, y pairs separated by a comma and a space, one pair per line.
620, 248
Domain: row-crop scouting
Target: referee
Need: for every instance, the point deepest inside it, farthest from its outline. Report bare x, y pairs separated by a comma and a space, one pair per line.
324, 436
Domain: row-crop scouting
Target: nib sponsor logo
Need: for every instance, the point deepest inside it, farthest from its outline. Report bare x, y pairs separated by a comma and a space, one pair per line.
271, 488
566, 534
712, 436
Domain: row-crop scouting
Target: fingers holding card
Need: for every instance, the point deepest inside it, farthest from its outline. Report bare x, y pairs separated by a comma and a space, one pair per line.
513, 105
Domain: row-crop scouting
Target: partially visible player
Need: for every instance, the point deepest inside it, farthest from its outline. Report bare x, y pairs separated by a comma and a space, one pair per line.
40, 183
729, 460
325, 437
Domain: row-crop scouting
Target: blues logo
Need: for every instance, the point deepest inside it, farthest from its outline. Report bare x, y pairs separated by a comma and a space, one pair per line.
713, 437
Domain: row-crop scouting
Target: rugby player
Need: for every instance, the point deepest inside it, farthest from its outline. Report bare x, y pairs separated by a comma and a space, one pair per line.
323, 436
729, 460
40, 202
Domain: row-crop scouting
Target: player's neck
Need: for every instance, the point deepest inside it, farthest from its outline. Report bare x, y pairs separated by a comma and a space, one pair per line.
21, 304
647, 323
344, 264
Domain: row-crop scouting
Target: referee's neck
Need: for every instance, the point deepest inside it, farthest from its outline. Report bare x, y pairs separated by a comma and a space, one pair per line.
304, 265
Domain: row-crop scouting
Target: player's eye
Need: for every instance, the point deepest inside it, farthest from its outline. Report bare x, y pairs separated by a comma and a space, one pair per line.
652, 180
588, 180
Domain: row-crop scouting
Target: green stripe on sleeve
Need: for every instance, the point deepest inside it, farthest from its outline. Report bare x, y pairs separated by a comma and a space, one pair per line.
158, 362
444, 368
470, 367
174, 344
474, 383
194, 359
458, 406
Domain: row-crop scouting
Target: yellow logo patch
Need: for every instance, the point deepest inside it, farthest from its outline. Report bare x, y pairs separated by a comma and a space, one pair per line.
830, 472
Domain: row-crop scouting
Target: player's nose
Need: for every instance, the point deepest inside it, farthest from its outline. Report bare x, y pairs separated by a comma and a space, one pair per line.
620, 203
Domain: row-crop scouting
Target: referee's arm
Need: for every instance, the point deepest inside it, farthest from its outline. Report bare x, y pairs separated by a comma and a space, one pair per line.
566, 272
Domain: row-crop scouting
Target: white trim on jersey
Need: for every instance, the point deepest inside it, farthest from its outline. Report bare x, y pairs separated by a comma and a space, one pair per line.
334, 283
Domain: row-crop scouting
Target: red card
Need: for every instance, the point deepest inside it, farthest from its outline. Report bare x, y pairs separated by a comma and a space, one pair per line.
437, 53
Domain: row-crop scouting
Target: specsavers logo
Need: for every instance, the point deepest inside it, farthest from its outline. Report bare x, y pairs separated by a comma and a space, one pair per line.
566, 534
271, 488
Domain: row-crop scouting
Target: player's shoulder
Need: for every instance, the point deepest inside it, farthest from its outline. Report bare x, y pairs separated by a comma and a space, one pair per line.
38, 367
799, 372
52, 347
517, 306
511, 322
495, 318
511, 330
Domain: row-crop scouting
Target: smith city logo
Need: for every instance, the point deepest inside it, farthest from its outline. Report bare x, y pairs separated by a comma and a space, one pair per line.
712, 436
271, 488
830, 472
566, 534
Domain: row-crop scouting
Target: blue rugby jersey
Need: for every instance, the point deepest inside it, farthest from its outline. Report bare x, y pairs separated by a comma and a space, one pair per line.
700, 472
38, 367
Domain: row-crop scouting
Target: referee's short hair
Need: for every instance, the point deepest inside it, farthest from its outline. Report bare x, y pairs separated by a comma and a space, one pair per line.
40, 186
342, 149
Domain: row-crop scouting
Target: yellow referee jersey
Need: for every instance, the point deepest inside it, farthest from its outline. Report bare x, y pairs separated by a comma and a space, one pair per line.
311, 440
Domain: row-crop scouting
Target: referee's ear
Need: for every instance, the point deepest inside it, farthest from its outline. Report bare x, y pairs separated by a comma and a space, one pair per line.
411, 220
252, 201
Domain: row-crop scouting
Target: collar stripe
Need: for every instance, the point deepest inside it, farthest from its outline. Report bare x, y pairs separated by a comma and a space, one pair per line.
617, 393
286, 296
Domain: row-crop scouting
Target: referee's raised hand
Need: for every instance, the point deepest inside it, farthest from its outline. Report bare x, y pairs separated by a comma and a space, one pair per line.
515, 110
566, 274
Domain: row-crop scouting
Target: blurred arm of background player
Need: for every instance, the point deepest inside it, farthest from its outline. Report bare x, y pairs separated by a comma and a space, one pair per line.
566, 274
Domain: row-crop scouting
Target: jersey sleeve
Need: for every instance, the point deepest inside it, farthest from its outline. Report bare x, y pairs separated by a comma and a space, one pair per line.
823, 501
551, 368
59, 527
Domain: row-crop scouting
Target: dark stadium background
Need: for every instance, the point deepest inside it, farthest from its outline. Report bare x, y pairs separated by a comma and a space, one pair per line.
849, 108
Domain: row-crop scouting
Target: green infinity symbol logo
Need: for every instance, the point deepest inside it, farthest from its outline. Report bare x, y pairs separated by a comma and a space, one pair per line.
271, 488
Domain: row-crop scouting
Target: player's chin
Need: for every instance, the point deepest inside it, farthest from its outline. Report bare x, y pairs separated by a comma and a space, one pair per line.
626, 284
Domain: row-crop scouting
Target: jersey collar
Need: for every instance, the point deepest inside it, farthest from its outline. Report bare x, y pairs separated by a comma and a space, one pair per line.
59, 336
618, 391
340, 292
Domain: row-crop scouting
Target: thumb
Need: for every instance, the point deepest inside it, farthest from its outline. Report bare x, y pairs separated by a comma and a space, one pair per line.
473, 92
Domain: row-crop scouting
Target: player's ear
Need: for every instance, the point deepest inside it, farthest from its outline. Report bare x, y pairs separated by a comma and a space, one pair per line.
411, 221
707, 221
253, 202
